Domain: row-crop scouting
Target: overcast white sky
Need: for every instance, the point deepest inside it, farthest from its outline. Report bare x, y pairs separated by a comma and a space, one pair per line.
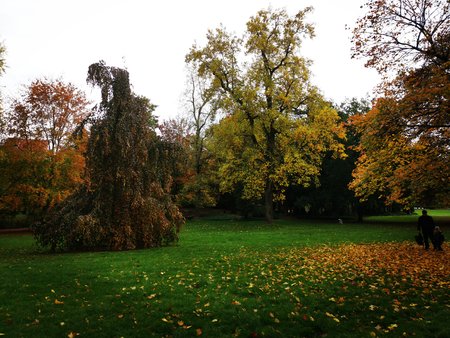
60, 39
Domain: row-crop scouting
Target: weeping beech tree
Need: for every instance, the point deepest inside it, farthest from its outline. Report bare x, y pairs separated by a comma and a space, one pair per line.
125, 201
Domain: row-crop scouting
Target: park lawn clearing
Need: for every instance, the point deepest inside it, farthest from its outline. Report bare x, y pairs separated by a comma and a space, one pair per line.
248, 279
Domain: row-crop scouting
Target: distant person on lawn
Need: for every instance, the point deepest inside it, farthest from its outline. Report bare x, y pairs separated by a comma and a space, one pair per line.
426, 226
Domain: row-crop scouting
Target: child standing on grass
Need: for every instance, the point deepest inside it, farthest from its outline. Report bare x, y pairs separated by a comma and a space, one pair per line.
438, 238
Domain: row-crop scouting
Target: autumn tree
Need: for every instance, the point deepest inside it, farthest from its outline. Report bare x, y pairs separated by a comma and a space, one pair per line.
277, 127
332, 196
397, 35
125, 202
201, 107
176, 133
396, 169
48, 110
23, 172
40, 162
406, 136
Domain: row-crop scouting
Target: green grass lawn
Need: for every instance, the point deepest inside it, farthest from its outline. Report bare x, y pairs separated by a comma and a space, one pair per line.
229, 278
441, 217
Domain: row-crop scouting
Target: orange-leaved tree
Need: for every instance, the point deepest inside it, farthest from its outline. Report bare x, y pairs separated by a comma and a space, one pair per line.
48, 110
405, 142
41, 162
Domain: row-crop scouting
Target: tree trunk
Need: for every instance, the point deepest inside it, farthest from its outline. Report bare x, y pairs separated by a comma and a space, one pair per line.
268, 200
360, 212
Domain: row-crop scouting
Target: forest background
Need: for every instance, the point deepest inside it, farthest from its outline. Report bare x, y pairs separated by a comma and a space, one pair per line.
252, 145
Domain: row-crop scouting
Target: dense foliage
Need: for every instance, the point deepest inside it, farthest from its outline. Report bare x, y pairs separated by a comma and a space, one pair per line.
256, 137
125, 201
332, 196
47, 110
405, 140
40, 162
33, 179
277, 128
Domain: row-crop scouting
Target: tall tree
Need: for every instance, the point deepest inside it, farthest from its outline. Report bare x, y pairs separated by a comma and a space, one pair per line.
125, 203
201, 108
406, 136
278, 127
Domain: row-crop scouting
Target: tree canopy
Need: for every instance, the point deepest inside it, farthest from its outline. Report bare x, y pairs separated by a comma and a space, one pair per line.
125, 201
201, 108
48, 110
397, 35
278, 127
40, 162
406, 136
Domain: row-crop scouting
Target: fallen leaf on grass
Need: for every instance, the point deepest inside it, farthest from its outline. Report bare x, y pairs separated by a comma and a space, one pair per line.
199, 332
332, 316
58, 302
392, 327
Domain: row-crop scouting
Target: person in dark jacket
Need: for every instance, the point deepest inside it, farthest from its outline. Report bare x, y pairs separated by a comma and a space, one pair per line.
426, 226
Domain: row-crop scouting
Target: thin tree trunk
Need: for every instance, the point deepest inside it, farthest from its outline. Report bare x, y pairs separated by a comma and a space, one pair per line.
360, 212
268, 200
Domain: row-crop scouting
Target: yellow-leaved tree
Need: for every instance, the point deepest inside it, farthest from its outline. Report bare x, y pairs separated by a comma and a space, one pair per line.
277, 127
